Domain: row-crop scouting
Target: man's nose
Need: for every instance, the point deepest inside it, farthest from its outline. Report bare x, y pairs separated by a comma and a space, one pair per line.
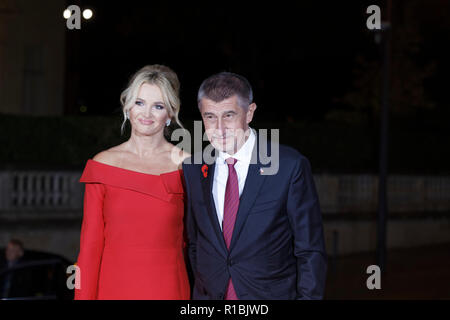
221, 128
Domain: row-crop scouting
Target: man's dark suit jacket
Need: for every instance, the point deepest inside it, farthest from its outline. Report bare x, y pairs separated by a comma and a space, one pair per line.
20, 281
277, 249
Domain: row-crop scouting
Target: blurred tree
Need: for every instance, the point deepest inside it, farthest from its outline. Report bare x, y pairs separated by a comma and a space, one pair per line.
410, 68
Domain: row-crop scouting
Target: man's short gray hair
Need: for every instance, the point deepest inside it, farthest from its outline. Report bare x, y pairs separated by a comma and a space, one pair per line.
224, 85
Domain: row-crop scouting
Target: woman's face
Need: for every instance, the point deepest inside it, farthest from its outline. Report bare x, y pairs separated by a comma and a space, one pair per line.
149, 113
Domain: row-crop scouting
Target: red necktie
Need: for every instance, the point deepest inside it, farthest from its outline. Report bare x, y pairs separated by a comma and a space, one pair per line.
230, 210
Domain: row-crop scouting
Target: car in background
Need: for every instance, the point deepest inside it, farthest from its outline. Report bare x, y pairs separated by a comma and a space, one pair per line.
38, 276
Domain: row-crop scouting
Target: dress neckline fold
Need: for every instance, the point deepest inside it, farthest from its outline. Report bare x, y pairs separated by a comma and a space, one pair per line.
163, 186
133, 171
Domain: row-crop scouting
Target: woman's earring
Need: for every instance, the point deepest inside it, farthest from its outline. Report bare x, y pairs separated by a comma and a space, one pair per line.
168, 122
127, 116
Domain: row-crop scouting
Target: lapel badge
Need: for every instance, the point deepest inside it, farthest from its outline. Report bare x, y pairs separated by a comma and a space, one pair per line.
205, 170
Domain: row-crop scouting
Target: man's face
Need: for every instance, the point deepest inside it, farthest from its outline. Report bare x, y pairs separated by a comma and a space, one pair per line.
226, 123
13, 252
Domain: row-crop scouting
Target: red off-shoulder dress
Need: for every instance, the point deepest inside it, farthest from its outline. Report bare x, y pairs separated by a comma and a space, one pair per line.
131, 243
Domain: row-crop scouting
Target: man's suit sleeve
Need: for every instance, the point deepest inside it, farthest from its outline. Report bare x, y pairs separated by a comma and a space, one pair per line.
306, 221
191, 226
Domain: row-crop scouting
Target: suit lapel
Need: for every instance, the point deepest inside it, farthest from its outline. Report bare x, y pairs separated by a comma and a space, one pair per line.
207, 186
253, 184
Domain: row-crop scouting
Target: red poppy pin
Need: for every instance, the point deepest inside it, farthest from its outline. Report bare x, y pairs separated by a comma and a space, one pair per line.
205, 170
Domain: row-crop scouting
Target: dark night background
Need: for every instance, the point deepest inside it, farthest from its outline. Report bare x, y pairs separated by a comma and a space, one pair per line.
299, 56
314, 66
317, 75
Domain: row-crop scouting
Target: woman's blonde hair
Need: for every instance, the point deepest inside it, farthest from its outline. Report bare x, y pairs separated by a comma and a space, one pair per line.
166, 80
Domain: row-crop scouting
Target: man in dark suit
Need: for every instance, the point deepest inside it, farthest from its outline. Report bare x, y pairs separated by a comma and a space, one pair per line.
14, 283
253, 233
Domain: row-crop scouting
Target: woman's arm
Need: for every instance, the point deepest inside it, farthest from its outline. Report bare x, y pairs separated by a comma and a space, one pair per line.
91, 241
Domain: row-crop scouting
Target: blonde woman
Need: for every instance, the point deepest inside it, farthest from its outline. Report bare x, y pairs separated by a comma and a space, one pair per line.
131, 243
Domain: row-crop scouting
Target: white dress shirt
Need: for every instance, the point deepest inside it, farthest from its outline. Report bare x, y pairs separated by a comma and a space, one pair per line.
243, 157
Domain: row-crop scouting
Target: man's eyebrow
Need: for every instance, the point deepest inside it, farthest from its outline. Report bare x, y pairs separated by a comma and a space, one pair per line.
223, 113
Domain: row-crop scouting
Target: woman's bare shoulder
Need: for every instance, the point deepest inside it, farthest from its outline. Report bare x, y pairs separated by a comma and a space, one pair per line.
178, 156
111, 156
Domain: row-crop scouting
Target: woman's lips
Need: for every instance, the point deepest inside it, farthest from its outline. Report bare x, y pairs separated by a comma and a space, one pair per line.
146, 122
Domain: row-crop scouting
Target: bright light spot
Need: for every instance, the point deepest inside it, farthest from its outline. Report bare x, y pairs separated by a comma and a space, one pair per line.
67, 14
87, 14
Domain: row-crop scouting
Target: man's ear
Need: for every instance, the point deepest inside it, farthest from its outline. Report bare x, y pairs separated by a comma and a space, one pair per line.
250, 112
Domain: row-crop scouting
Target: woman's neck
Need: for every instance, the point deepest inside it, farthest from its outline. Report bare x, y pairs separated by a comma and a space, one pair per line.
144, 146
